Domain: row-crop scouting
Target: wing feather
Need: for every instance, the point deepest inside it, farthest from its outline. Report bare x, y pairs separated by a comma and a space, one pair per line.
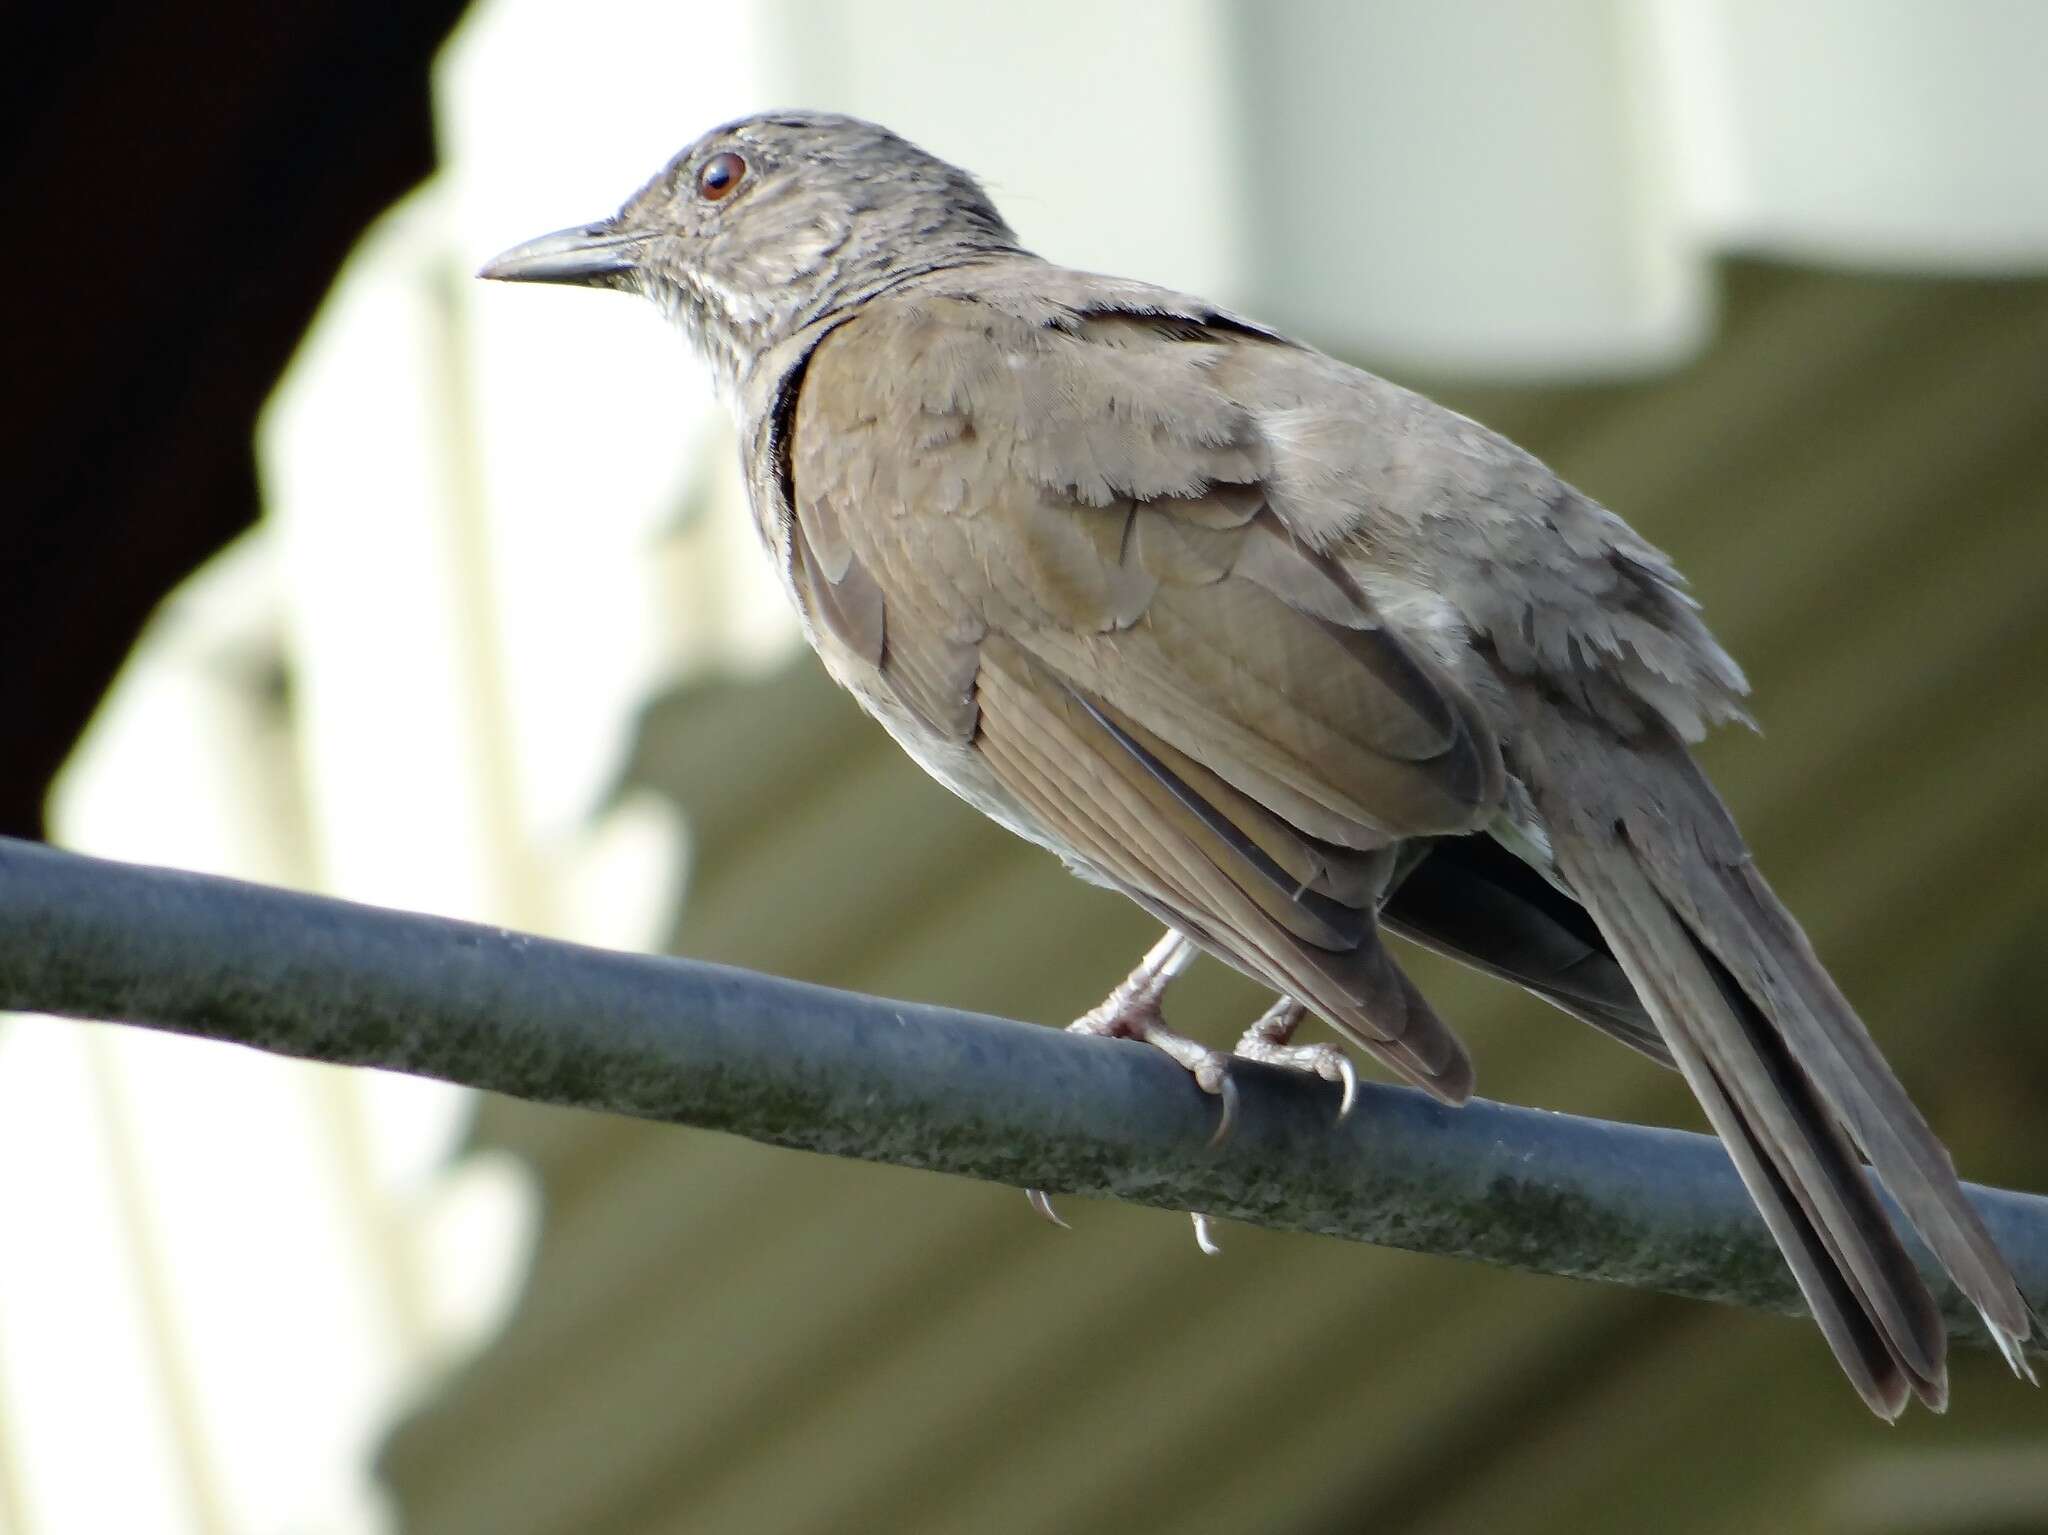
1093, 598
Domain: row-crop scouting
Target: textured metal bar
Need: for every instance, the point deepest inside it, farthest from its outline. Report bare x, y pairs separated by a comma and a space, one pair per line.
857, 1076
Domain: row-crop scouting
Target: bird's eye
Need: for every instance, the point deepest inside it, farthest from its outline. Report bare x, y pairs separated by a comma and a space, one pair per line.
721, 173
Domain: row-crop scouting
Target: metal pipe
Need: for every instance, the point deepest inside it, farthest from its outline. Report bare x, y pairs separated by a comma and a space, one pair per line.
856, 1076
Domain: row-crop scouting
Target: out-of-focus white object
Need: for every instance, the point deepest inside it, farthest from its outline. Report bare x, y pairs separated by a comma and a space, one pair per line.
1904, 135
1468, 186
218, 1259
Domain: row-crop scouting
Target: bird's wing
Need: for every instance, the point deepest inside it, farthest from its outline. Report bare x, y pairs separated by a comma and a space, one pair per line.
1055, 550
1476, 545
1597, 665
1157, 561
1600, 666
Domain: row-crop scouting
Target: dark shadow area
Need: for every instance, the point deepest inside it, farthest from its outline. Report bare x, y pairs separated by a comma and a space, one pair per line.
181, 183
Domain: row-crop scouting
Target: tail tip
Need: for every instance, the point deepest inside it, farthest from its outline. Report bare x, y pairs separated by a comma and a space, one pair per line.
2011, 1344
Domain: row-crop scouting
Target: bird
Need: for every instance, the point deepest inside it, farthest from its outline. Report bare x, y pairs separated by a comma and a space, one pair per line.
1287, 654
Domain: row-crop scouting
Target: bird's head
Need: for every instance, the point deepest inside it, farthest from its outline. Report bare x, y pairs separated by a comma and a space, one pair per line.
767, 224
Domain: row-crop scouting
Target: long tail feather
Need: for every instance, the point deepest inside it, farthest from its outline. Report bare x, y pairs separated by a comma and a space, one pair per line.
1782, 1065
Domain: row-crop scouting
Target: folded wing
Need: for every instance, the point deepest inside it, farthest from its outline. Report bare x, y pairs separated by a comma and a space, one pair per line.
1058, 556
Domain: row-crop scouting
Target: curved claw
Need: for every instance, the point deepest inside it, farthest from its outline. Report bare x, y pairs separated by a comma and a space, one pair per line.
1227, 1122
1348, 1075
1205, 1234
1041, 1201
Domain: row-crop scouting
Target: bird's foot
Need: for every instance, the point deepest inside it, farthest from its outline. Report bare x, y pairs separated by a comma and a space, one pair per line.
1271, 1040
1209, 1067
1132, 1011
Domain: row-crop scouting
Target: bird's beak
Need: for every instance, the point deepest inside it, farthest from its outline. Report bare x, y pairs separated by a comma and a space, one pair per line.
600, 255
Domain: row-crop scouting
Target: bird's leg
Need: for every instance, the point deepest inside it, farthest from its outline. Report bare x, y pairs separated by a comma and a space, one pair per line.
1271, 1040
1132, 1012
1136, 999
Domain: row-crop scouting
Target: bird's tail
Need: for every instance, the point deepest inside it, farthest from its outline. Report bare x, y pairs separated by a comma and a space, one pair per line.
1785, 1070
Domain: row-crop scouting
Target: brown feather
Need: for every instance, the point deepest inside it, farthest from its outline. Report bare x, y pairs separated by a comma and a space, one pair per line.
840, 595
1183, 699
1774, 1053
1253, 636
1065, 758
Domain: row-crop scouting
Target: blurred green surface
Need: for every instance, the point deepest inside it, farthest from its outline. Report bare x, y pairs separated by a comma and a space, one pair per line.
718, 1336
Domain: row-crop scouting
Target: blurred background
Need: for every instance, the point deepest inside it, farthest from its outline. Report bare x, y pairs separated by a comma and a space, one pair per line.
329, 566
